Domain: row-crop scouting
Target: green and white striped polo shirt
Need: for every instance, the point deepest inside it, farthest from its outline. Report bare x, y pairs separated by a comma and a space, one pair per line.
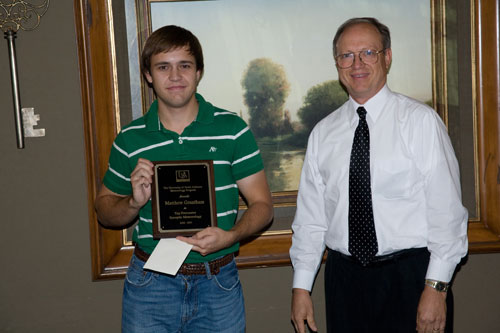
216, 134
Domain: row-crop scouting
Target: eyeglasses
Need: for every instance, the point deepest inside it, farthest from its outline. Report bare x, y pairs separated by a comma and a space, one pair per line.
346, 60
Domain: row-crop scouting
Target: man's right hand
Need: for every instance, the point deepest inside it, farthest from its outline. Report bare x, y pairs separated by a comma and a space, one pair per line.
116, 210
302, 310
141, 179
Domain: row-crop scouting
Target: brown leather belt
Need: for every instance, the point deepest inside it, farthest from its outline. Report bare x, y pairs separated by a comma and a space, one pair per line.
192, 269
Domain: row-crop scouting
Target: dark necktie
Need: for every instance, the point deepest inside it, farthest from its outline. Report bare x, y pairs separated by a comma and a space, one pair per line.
362, 236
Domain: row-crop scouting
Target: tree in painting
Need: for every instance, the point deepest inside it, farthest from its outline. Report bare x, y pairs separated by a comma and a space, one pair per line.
265, 91
320, 101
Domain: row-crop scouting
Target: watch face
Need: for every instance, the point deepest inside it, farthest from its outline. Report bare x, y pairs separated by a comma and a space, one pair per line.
440, 286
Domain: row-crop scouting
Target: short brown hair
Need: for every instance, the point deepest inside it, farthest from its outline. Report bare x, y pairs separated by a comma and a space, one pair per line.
168, 38
385, 34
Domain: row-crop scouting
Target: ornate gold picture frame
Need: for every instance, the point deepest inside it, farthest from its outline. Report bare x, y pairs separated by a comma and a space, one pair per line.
100, 100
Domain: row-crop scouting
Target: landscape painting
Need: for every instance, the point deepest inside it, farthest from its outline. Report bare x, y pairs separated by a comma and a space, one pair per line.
271, 62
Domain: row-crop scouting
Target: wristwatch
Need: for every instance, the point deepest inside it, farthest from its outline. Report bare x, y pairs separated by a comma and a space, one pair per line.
438, 285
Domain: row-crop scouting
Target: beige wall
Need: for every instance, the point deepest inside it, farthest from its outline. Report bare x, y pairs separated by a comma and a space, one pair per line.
45, 278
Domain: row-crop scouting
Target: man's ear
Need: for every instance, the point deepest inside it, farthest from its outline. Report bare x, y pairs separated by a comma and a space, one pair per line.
199, 75
388, 58
148, 77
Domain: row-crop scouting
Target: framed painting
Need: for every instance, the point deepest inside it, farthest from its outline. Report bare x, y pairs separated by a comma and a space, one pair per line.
433, 60
265, 49
274, 35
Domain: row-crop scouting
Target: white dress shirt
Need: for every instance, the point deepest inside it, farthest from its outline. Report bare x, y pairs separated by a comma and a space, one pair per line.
415, 187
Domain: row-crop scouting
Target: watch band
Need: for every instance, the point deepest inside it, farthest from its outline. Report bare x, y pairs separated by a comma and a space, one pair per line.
438, 285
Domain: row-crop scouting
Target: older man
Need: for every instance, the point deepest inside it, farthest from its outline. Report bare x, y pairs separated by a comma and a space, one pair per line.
380, 190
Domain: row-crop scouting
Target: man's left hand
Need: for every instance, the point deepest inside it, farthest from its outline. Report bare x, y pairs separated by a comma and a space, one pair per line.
431, 313
209, 240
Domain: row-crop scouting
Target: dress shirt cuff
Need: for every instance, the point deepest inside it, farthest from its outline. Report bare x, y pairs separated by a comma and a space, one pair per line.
440, 270
303, 279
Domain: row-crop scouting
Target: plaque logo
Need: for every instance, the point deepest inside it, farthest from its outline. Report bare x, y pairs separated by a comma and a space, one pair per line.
182, 176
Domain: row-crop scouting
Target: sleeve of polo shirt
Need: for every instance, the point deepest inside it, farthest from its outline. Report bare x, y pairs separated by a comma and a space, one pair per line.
310, 224
117, 177
446, 216
246, 157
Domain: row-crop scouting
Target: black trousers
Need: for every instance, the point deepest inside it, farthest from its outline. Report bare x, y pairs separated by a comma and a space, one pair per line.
382, 297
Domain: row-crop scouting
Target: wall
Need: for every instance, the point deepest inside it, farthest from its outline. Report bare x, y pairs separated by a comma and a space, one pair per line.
45, 283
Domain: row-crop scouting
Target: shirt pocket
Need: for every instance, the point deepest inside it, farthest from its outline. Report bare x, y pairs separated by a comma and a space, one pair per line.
394, 178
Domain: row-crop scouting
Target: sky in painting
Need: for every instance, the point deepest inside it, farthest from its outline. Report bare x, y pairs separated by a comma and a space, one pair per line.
296, 34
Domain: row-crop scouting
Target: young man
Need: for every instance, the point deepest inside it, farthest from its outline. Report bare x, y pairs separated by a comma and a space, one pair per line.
205, 295
380, 189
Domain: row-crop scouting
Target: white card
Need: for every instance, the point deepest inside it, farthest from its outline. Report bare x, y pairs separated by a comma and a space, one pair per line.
168, 256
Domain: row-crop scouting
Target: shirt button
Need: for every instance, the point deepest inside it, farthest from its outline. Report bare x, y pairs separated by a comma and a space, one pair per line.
180, 141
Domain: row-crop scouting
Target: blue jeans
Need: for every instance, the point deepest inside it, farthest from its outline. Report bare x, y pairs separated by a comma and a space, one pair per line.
154, 302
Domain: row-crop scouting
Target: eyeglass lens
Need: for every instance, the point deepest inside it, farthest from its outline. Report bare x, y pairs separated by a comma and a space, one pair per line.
367, 56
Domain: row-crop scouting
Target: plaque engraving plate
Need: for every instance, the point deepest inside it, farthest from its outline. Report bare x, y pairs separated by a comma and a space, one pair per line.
183, 198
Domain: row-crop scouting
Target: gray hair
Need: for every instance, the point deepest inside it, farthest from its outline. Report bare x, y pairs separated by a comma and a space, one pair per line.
382, 29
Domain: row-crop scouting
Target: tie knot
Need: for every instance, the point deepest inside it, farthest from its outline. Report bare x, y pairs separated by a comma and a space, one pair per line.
361, 112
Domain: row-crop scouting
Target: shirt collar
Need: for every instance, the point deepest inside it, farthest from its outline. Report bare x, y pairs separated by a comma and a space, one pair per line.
373, 106
205, 114
151, 118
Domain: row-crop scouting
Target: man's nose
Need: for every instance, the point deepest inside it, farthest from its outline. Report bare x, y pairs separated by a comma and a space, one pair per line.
174, 74
357, 61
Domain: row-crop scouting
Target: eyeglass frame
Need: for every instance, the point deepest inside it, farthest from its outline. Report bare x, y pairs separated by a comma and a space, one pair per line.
359, 56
